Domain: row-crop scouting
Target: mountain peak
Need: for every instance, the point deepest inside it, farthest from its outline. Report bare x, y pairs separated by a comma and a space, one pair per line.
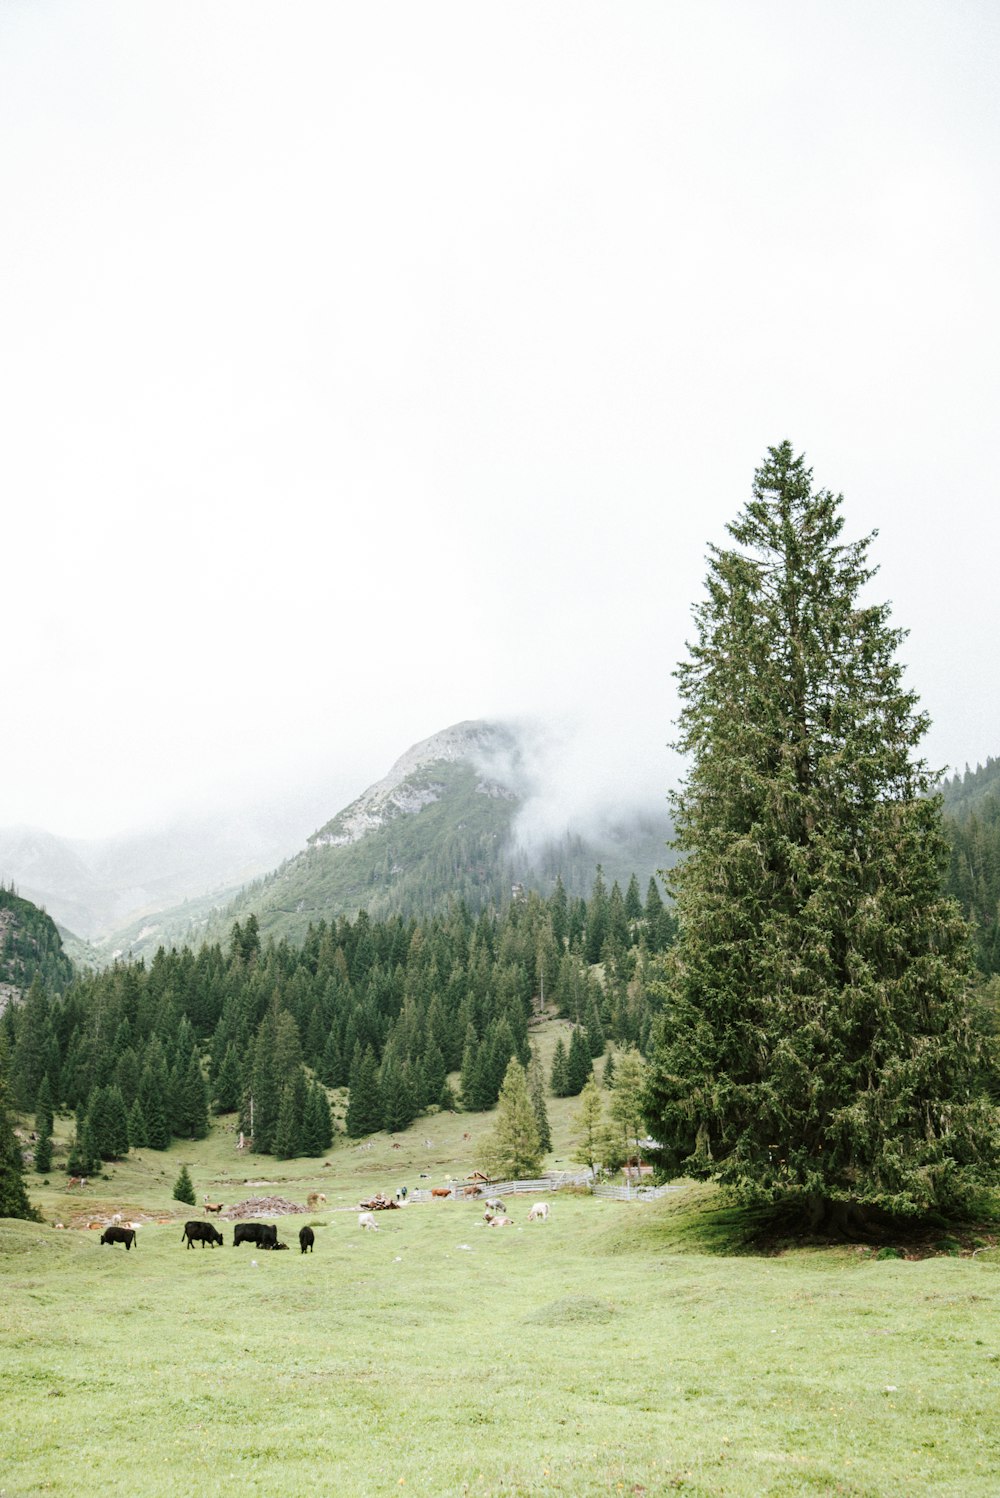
410, 785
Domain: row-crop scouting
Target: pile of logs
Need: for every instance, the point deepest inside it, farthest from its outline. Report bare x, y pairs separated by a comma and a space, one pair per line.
379, 1203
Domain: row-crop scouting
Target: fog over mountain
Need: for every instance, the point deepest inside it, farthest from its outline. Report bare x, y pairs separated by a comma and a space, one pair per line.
558, 782
367, 369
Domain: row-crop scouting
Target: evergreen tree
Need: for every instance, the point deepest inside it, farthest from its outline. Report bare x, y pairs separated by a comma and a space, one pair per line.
588, 1125
191, 1119
228, 1082
633, 901
512, 1148
597, 918
364, 1104
154, 1110
43, 1109
13, 1196
559, 1078
594, 1032
184, 1188
628, 1098
43, 1152
137, 1132
578, 1063
286, 1134
536, 1088
815, 1035
317, 1125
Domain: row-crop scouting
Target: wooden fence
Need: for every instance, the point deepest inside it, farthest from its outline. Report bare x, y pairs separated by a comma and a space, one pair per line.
630, 1192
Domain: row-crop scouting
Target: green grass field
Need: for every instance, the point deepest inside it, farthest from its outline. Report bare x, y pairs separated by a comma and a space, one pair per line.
613, 1350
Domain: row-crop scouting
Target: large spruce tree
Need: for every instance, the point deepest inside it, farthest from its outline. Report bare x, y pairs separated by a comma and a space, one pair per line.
815, 1036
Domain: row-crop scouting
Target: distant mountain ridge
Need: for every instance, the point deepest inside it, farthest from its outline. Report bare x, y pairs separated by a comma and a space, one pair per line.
445, 823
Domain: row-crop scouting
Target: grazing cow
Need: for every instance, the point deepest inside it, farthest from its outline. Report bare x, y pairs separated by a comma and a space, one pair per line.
314, 1198
116, 1220
539, 1212
212, 1206
263, 1234
306, 1239
494, 1204
201, 1232
120, 1235
367, 1220
440, 1191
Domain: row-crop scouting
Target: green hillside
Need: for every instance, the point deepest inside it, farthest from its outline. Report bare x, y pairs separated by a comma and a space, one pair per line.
444, 825
30, 944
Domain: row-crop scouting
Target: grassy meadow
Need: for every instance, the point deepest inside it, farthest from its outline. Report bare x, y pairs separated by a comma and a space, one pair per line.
617, 1349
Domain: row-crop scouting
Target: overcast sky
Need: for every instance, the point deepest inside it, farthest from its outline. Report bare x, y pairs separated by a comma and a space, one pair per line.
364, 368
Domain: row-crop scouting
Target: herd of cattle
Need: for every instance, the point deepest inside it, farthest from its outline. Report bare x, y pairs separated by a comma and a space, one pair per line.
265, 1235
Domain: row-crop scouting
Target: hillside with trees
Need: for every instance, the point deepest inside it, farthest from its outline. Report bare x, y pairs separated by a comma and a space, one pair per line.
446, 823
972, 825
391, 1010
30, 947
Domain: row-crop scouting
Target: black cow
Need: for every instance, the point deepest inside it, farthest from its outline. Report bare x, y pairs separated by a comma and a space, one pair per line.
261, 1233
120, 1235
201, 1232
306, 1239
276, 1246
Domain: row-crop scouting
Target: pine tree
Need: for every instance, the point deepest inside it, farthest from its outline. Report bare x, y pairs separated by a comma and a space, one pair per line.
137, 1132
287, 1130
578, 1063
588, 1124
815, 1036
628, 1097
44, 1120
43, 1153
317, 1125
559, 1077
184, 1188
364, 1104
512, 1148
13, 1195
536, 1088
228, 1087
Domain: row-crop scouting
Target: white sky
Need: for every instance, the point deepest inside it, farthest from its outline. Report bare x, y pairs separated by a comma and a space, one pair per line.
364, 368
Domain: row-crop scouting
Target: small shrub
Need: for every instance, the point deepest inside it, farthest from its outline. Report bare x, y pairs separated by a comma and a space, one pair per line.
888, 1253
948, 1246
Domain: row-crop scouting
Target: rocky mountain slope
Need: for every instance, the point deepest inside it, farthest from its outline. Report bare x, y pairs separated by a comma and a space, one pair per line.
29, 944
448, 821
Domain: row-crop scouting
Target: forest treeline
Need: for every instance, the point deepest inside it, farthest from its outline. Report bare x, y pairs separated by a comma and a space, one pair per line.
389, 1009
972, 822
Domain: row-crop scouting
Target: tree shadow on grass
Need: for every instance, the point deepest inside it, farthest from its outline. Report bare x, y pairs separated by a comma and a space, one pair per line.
706, 1219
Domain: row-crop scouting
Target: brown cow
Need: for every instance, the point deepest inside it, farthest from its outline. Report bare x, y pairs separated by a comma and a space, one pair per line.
440, 1191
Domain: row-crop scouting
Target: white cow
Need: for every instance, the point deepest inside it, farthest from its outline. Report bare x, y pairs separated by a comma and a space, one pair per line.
367, 1220
539, 1212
